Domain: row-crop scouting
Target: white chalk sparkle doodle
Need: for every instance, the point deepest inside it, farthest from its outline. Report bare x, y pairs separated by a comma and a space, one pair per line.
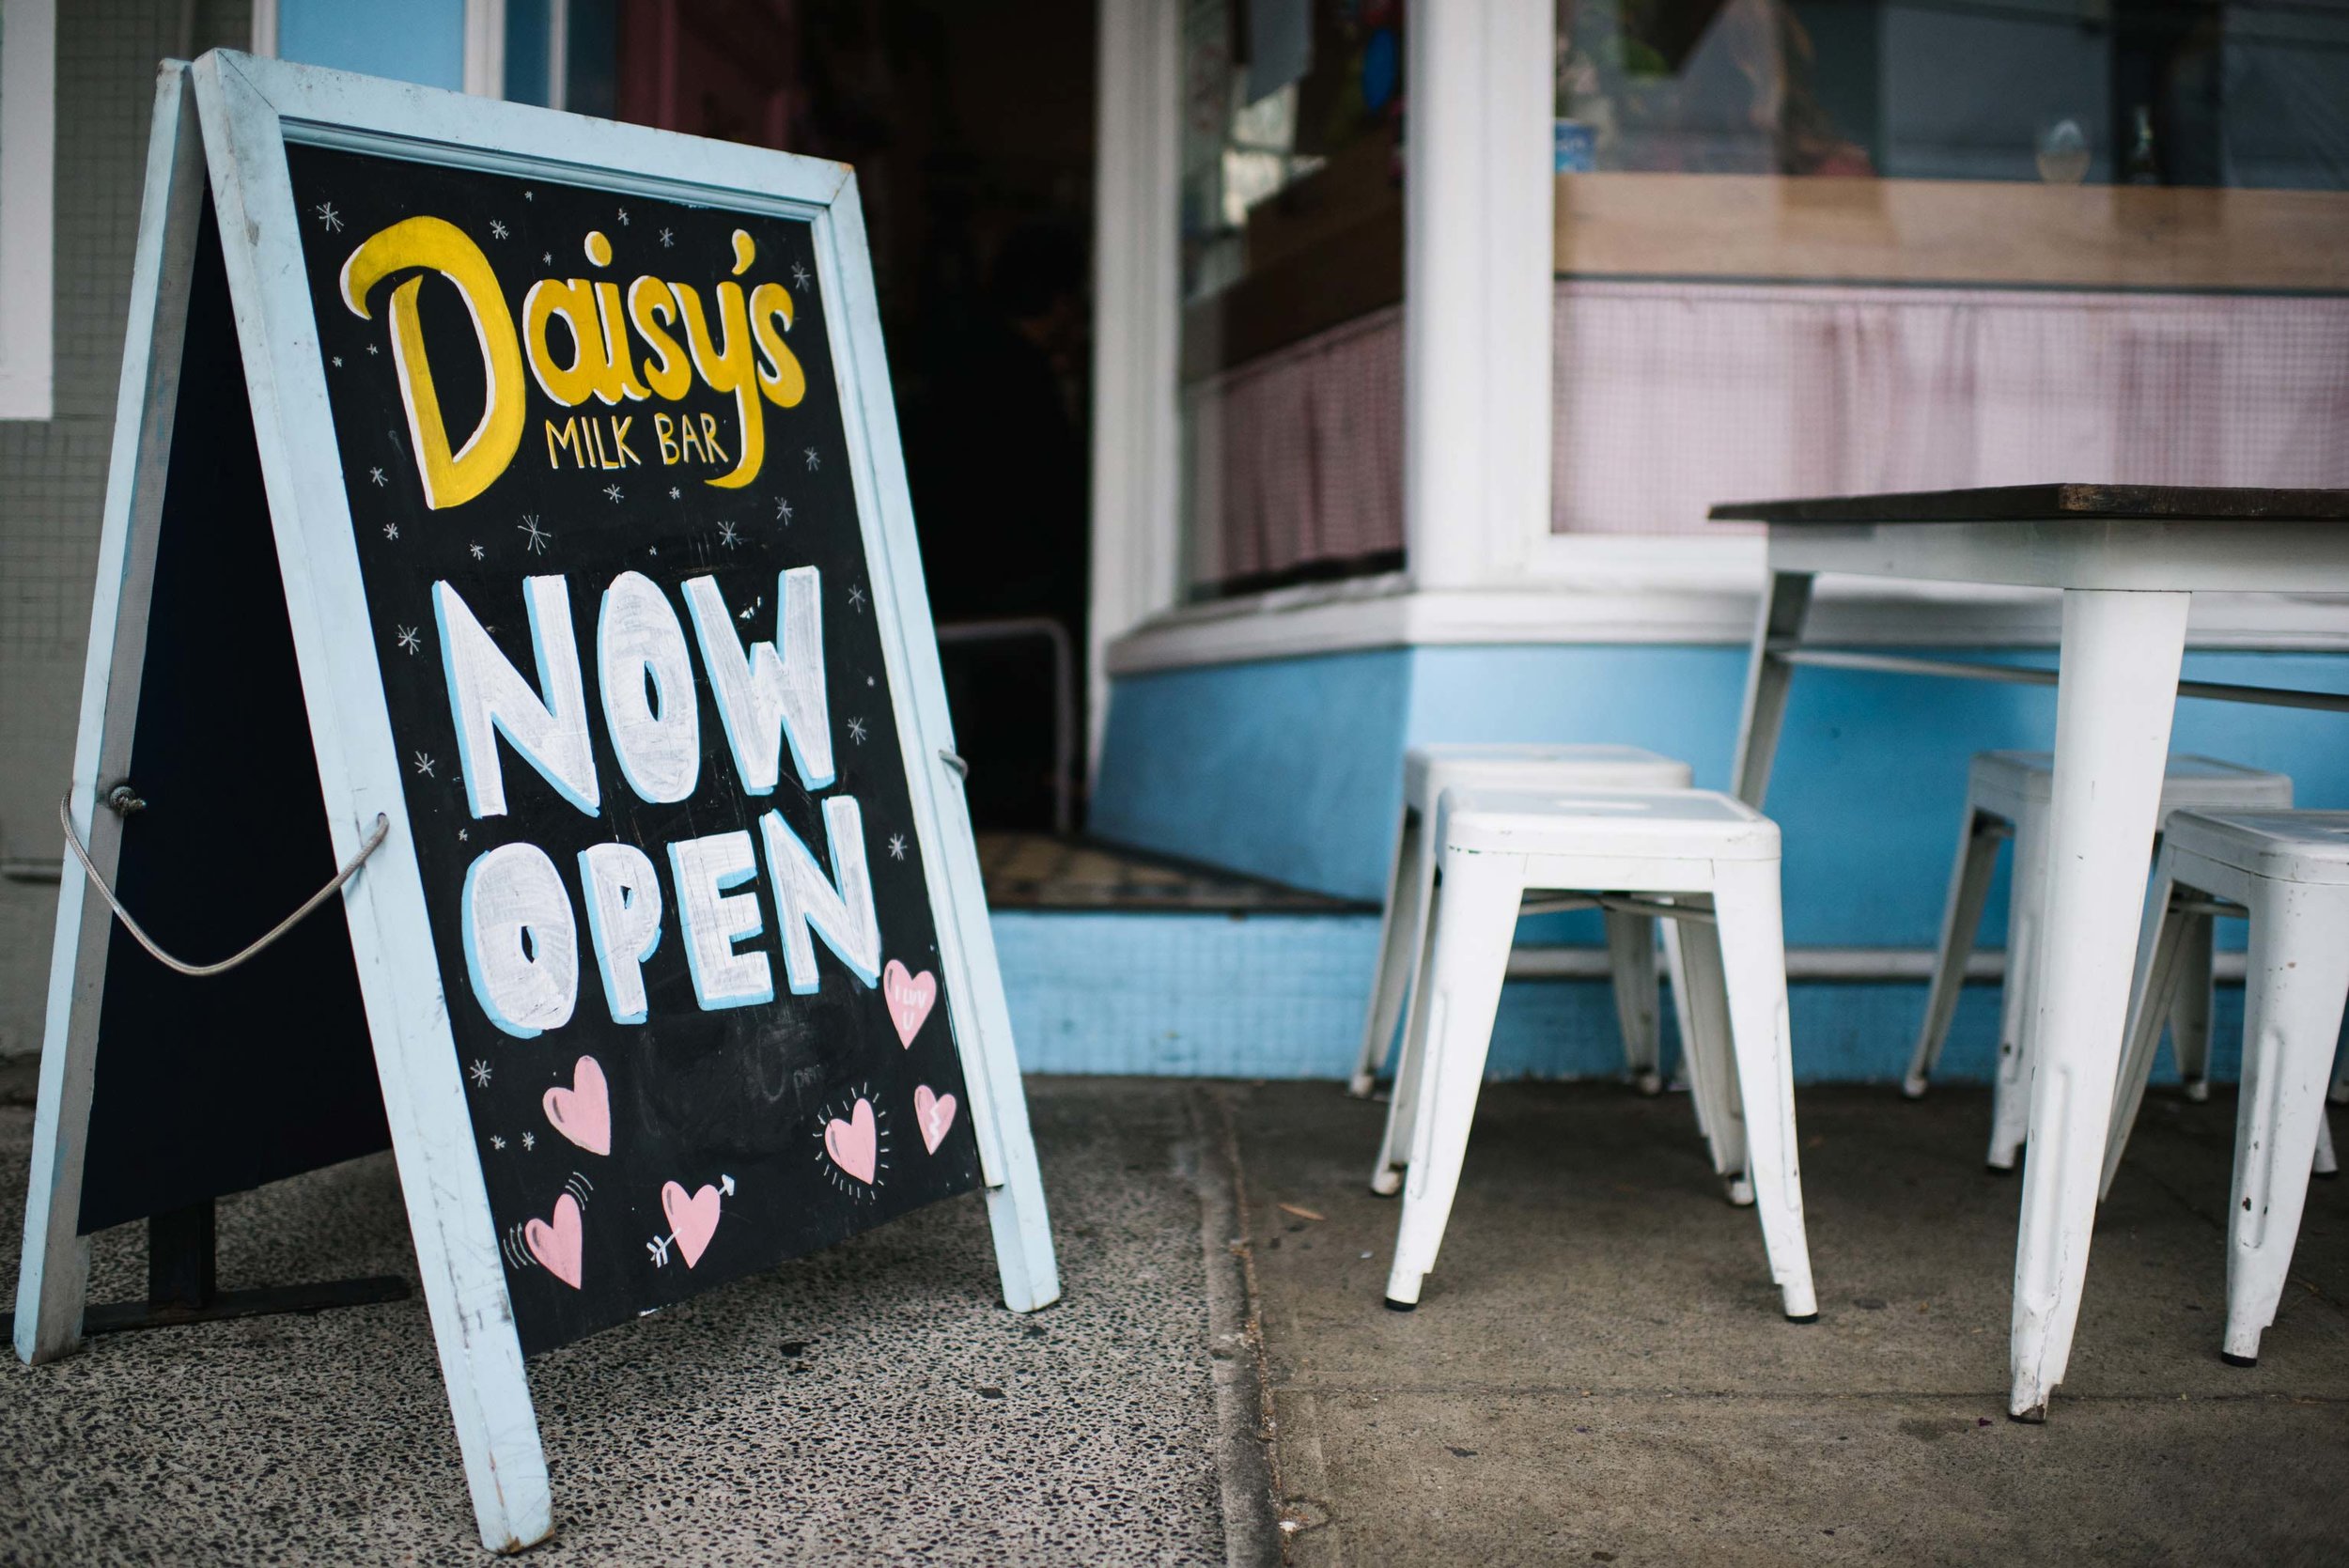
534, 537
391, 530
814, 462
475, 551
729, 535
799, 274
613, 492
480, 1072
425, 766
856, 597
497, 229
410, 641
783, 510
329, 219
377, 475
897, 846
855, 731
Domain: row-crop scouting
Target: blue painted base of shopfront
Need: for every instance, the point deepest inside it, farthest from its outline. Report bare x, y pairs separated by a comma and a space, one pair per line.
1291, 770
1283, 995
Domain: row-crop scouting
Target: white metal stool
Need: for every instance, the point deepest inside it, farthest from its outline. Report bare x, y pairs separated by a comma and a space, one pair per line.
2289, 873
2007, 793
1682, 854
1427, 772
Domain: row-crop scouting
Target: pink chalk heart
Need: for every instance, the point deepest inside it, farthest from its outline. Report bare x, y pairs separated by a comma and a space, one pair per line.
694, 1220
582, 1112
936, 1112
911, 998
558, 1246
855, 1144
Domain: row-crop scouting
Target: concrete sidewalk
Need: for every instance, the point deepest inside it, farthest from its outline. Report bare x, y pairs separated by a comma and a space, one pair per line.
1598, 1371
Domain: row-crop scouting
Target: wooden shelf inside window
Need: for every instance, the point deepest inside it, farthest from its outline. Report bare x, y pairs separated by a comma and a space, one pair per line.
1763, 227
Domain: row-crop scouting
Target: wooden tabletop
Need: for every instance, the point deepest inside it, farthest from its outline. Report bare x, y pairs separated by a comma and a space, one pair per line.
2052, 502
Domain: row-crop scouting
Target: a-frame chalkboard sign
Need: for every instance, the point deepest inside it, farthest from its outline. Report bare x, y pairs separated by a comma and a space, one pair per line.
509, 504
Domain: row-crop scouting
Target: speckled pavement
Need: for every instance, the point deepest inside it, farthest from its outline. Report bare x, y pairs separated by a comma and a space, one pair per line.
872, 1405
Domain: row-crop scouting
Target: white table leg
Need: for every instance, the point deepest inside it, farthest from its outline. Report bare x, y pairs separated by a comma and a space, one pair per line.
1785, 605
2114, 700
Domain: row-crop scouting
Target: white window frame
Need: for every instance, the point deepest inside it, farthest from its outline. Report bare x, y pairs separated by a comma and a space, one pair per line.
485, 41
1488, 570
28, 173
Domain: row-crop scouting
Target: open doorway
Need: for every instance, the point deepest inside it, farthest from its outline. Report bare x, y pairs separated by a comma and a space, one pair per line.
970, 127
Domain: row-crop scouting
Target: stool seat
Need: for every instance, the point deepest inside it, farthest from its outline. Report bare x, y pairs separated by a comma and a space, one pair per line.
1429, 770
1677, 824
2010, 794
2189, 781
1705, 860
2285, 847
1432, 771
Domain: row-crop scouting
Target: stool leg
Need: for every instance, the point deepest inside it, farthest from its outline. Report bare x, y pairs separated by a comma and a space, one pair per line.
2160, 946
1462, 992
1394, 1141
1711, 1061
1753, 962
2009, 1102
2298, 976
1631, 963
1399, 948
1961, 917
2190, 1007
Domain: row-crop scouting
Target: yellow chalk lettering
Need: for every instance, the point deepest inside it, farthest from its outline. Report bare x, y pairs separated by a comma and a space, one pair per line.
780, 377
710, 439
449, 478
568, 441
692, 442
665, 431
726, 366
650, 309
620, 442
575, 304
621, 377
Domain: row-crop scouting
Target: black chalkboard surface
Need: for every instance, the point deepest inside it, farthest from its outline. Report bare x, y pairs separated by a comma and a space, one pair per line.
206, 1087
694, 986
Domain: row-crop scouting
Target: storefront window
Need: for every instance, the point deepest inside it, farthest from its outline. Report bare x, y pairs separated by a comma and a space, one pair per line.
1816, 246
1292, 266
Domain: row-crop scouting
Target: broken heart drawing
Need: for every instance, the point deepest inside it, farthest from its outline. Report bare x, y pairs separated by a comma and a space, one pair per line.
935, 1113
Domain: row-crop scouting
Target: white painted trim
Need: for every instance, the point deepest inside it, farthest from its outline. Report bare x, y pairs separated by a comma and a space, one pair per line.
265, 29
1478, 258
1136, 332
485, 48
1707, 607
28, 175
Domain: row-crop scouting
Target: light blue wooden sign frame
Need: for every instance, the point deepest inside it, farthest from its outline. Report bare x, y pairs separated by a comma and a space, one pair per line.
247, 111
